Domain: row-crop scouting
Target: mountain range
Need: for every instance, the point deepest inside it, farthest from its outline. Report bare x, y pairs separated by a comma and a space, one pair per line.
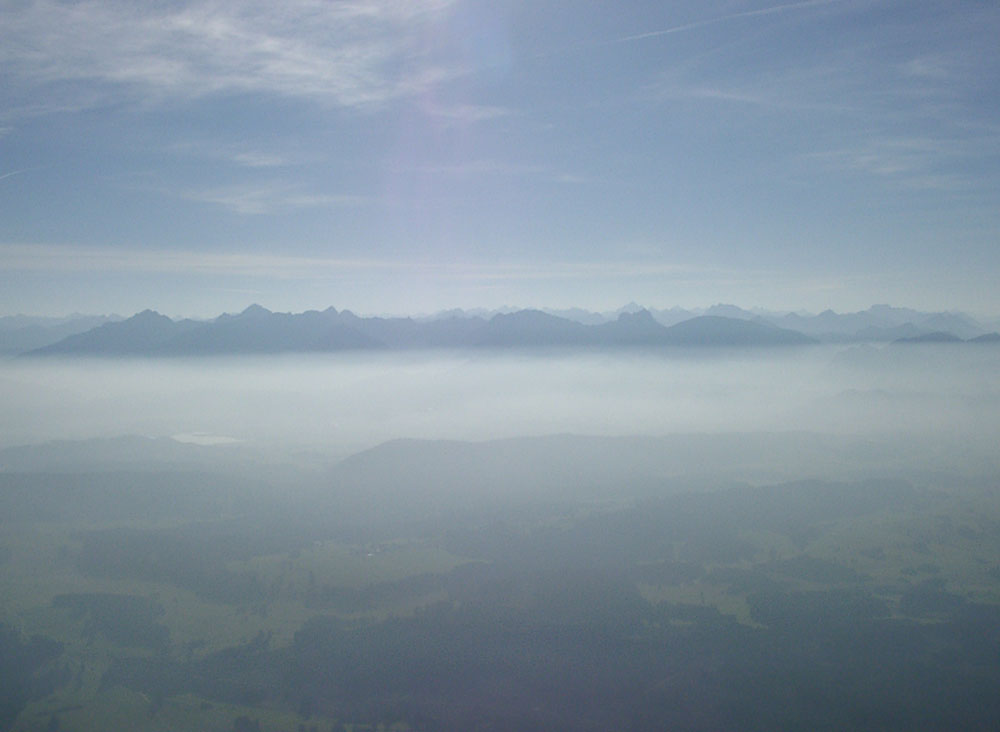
20, 333
259, 330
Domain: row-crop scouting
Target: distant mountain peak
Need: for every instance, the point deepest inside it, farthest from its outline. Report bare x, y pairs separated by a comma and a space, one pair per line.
992, 337
727, 310
148, 314
639, 316
526, 316
630, 307
721, 330
256, 309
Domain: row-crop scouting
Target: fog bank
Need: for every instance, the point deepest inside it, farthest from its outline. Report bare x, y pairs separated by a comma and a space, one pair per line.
344, 403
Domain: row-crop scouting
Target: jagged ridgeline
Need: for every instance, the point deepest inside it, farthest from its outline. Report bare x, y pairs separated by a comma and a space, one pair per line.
258, 330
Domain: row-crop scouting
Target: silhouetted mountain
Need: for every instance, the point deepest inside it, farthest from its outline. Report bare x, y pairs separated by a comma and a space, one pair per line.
961, 325
579, 315
725, 310
880, 334
986, 338
829, 325
24, 333
712, 330
20, 321
447, 332
672, 316
125, 452
629, 308
255, 330
533, 328
258, 330
143, 333
632, 329
889, 315
880, 323
406, 480
935, 337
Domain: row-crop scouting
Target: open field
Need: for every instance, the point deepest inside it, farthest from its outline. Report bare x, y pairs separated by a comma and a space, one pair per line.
167, 623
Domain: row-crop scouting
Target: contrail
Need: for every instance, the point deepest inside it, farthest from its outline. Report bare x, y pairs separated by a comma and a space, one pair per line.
687, 26
15, 172
714, 21
22, 170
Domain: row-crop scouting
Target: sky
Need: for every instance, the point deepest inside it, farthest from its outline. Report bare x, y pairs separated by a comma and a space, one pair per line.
406, 156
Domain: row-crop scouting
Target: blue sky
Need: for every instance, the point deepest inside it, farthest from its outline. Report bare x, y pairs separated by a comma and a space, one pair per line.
402, 156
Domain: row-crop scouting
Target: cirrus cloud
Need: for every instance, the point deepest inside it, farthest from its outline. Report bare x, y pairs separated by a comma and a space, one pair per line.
354, 54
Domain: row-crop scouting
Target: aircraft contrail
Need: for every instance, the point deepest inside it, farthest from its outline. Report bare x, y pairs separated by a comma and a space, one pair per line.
18, 172
722, 19
689, 26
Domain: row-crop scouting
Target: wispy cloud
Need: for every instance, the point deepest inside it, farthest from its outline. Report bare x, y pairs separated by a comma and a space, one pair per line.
83, 259
255, 199
923, 163
556, 270
464, 114
479, 167
256, 159
234, 154
573, 178
880, 68
934, 67
911, 115
667, 89
821, 87
483, 168
356, 53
